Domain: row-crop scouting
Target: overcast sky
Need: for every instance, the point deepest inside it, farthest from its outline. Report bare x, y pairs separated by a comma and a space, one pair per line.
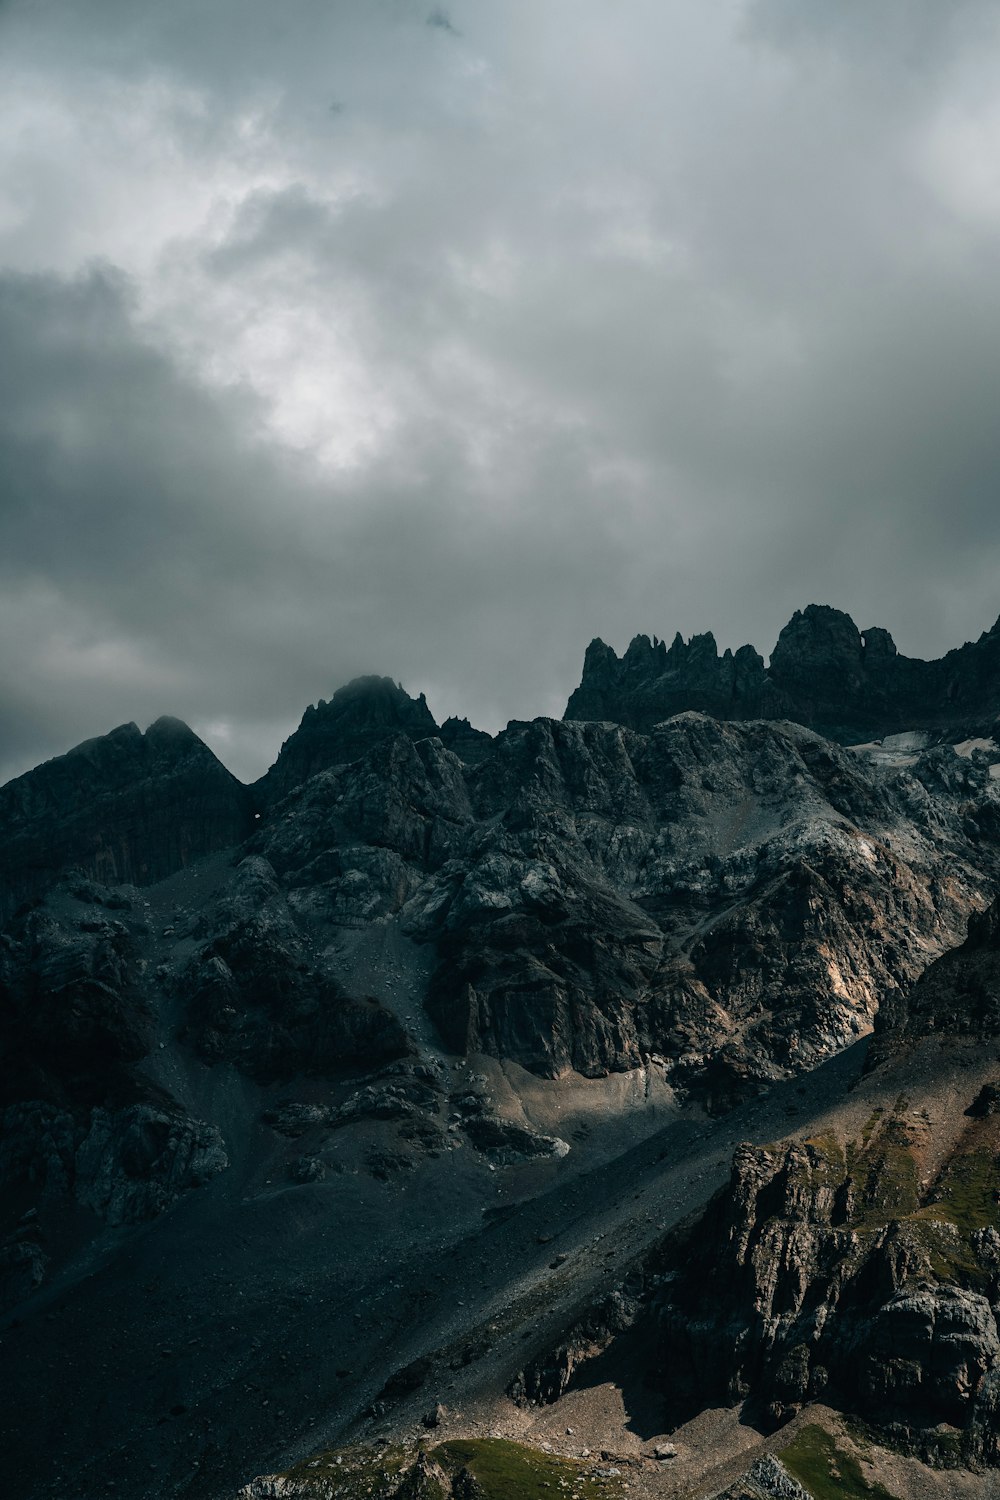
344, 336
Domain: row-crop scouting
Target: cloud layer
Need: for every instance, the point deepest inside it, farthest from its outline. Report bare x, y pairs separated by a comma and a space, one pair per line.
375, 336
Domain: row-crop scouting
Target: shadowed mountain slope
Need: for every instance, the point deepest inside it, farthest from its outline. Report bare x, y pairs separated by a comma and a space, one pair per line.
125, 807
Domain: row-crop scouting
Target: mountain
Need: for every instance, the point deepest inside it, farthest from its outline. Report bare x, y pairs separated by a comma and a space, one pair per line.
358, 716
849, 685
463, 1115
127, 807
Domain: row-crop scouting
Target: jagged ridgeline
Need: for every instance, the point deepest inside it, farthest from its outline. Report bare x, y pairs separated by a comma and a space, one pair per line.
849, 685
375, 1030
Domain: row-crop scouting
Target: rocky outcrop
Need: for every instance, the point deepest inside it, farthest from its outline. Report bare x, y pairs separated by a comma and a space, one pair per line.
80, 1125
23, 1260
549, 1375
357, 718
128, 807
73, 1016
503, 1141
255, 994
127, 1163
469, 744
848, 685
829, 1270
652, 682
957, 995
766, 1479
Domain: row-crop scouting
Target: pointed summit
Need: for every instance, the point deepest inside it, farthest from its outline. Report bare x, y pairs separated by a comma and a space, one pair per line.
125, 807
357, 717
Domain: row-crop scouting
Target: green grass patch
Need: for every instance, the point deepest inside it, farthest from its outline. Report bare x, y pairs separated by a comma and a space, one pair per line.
951, 1255
826, 1471
828, 1161
360, 1473
967, 1191
509, 1471
502, 1471
886, 1175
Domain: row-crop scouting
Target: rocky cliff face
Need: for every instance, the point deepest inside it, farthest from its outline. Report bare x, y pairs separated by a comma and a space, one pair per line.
861, 1270
959, 995
81, 1126
255, 994
848, 685
831, 1270
357, 717
129, 807
858, 1267
734, 899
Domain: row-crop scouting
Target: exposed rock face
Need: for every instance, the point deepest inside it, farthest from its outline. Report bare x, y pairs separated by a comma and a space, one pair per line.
733, 898
549, 1375
960, 993
652, 682
828, 1271
766, 1479
469, 744
23, 1260
127, 807
73, 1018
255, 994
357, 717
848, 685
79, 1125
127, 1163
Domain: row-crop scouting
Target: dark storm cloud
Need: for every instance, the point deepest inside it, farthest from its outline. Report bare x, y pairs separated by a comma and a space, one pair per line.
157, 556
442, 21
573, 319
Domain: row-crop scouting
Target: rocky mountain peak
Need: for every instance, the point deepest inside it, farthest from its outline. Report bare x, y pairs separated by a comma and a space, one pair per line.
167, 733
818, 636
847, 684
356, 718
126, 806
878, 644
469, 744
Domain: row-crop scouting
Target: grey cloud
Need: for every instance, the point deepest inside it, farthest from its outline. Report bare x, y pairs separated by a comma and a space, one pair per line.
142, 517
594, 320
908, 34
441, 21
